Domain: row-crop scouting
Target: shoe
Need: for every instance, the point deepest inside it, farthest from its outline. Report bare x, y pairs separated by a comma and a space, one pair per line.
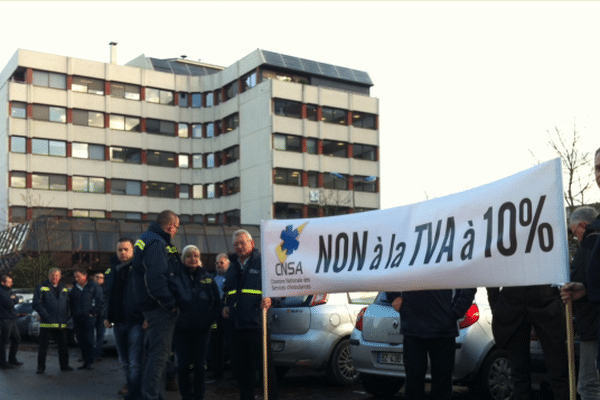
123, 391
6, 365
98, 359
66, 368
172, 385
84, 366
15, 363
89, 367
40, 370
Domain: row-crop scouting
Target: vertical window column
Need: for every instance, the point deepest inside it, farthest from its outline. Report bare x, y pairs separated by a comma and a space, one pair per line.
319, 114
304, 178
69, 82
350, 150
349, 118
29, 78
304, 211
107, 88
320, 180
143, 97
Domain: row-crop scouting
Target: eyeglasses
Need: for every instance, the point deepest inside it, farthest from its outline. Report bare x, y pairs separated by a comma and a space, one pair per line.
240, 243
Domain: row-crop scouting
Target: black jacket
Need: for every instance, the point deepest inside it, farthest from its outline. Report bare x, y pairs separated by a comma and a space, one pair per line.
432, 313
200, 303
243, 292
7, 303
52, 304
119, 299
87, 301
593, 269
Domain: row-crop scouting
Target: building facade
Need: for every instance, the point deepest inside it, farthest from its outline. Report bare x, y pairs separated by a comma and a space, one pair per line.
271, 136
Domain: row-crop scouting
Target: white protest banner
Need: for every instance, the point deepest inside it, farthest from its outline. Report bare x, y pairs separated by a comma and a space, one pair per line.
508, 233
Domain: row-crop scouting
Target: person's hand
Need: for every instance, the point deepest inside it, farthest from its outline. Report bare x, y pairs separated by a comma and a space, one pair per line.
397, 303
107, 324
145, 324
266, 303
225, 312
572, 291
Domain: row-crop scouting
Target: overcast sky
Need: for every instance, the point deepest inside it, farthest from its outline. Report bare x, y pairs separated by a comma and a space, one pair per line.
467, 90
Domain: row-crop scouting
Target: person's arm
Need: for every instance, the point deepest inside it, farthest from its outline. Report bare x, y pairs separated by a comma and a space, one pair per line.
156, 266
38, 305
463, 299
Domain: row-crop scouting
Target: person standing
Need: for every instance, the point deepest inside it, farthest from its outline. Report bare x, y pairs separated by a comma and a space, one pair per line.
51, 302
99, 328
585, 227
154, 260
8, 318
86, 299
200, 305
430, 327
220, 335
244, 302
126, 321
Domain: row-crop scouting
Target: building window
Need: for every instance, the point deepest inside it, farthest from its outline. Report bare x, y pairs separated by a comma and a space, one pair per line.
197, 131
50, 79
210, 99
363, 120
312, 146
197, 192
161, 189
365, 184
89, 151
335, 149
132, 216
18, 109
197, 161
160, 96
182, 130
287, 108
231, 154
47, 147
313, 179
88, 184
232, 185
363, 152
232, 217
331, 181
87, 85
196, 100
285, 176
125, 91
89, 213
287, 142
126, 155
231, 90
18, 214
232, 122
125, 187
124, 123
288, 211
284, 77
248, 81
48, 113
18, 179
334, 115
210, 191
161, 158
311, 112
210, 130
183, 99
184, 161
184, 191
49, 182
88, 118
18, 144
160, 127
210, 160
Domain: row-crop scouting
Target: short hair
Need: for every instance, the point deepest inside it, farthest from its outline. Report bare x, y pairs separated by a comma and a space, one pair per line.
165, 218
187, 249
583, 214
222, 255
126, 239
597, 152
3, 278
81, 271
241, 232
53, 270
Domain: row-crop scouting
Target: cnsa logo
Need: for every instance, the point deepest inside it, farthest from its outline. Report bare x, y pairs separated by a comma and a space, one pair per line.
290, 242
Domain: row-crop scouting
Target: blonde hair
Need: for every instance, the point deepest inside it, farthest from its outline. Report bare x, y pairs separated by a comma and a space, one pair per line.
187, 249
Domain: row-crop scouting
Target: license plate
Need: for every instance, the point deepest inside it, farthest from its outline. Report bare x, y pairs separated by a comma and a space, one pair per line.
390, 358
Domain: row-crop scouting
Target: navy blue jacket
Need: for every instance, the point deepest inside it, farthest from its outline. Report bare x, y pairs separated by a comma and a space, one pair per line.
115, 291
433, 313
89, 301
200, 303
243, 292
593, 268
155, 262
7, 303
53, 309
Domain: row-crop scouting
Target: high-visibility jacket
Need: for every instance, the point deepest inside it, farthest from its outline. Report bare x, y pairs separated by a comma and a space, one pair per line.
243, 291
53, 309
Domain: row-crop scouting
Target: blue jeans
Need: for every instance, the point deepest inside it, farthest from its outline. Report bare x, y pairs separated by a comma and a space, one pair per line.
129, 338
588, 382
191, 347
161, 324
84, 331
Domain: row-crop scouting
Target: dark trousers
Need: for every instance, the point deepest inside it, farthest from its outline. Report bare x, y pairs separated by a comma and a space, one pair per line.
100, 329
247, 354
220, 345
191, 347
60, 336
555, 354
84, 331
10, 333
441, 353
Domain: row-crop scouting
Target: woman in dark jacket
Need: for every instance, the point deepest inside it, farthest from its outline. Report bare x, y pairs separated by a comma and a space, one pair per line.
200, 305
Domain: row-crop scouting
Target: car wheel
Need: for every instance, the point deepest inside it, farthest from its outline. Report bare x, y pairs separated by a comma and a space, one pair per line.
340, 369
493, 380
382, 387
281, 371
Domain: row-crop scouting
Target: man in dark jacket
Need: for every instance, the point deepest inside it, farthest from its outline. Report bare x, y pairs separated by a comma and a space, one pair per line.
244, 301
86, 305
429, 324
8, 326
155, 259
587, 317
126, 320
51, 301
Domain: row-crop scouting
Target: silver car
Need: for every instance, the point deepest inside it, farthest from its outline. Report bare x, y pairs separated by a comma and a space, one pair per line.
313, 331
376, 346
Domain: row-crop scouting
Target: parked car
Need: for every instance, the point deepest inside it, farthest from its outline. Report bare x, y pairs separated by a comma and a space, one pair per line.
376, 348
28, 320
313, 331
